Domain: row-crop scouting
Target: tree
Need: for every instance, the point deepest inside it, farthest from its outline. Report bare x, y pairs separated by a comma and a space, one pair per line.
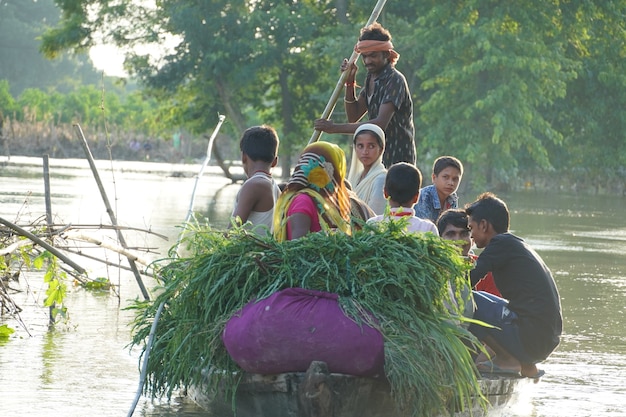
591, 115
490, 70
7, 102
256, 61
21, 24
505, 86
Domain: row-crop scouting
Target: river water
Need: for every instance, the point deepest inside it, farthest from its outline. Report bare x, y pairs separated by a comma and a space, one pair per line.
84, 367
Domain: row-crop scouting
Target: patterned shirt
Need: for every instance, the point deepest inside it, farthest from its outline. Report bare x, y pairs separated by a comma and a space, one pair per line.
428, 206
391, 86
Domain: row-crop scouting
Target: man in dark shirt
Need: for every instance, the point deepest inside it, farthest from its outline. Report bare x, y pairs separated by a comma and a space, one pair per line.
385, 97
527, 320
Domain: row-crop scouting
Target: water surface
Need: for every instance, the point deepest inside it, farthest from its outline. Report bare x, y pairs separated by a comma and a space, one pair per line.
85, 367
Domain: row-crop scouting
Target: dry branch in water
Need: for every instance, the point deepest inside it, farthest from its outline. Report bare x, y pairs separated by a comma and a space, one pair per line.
106, 245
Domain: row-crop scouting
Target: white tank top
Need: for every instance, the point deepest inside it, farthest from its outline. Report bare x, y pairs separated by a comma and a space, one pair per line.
266, 218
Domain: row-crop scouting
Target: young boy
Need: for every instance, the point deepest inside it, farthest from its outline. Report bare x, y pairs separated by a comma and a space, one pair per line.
258, 194
441, 195
452, 225
528, 321
402, 189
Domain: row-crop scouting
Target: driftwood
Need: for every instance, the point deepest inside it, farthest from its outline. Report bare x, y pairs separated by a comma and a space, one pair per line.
106, 245
7, 305
103, 261
10, 245
22, 232
14, 246
59, 228
74, 233
110, 212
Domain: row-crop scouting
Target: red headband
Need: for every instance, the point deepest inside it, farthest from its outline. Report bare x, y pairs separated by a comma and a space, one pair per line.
375, 46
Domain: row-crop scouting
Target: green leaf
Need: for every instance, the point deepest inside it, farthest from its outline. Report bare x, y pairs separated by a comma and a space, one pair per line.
5, 331
55, 294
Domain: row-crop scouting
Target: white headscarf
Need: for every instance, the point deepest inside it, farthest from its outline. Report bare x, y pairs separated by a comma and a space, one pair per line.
367, 188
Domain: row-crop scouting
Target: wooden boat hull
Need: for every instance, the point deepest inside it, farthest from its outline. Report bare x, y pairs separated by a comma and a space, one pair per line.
316, 393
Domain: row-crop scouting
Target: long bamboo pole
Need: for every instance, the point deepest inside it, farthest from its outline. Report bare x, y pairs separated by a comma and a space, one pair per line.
142, 377
46, 183
328, 111
198, 176
146, 356
48, 200
105, 199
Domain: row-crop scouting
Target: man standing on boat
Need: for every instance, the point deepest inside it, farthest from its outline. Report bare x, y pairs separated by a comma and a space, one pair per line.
385, 97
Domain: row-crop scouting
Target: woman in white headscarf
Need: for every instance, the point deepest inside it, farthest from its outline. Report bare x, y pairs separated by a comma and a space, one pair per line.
367, 172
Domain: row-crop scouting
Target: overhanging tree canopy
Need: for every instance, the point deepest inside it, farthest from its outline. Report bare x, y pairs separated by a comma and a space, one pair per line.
498, 85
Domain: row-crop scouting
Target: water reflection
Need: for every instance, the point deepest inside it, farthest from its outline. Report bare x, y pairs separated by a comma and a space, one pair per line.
85, 367
176, 407
583, 385
48, 358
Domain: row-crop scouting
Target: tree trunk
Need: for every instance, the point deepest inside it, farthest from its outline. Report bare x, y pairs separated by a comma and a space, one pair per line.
232, 110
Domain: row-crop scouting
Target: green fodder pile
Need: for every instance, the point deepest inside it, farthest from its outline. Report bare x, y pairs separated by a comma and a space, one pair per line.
401, 278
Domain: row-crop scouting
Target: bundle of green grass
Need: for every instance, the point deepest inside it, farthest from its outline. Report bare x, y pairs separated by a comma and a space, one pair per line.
401, 278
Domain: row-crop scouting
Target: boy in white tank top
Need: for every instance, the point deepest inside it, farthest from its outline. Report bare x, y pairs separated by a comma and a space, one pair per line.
254, 206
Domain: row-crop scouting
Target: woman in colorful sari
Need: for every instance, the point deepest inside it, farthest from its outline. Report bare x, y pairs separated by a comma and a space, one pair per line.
294, 327
315, 198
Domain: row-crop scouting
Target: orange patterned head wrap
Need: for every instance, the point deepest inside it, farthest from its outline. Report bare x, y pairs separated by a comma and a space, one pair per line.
320, 173
375, 46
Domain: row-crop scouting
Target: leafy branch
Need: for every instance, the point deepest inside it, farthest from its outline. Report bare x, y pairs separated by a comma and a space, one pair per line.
42, 249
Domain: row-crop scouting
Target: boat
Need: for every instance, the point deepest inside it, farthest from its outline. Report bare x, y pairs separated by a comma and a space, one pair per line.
200, 346
318, 393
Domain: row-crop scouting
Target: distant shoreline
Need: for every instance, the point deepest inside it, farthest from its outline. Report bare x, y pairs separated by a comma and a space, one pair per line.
178, 169
190, 169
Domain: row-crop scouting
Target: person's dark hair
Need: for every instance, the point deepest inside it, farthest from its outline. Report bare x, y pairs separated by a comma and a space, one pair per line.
374, 32
455, 217
490, 208
403, 182
260, 143
444, 162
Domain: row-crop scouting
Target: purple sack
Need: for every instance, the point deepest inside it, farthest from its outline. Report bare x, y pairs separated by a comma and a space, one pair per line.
293, 327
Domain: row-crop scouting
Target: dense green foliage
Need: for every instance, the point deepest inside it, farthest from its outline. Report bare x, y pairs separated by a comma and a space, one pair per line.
50, 95
87, 105
402, 279
514, 89
510, 86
